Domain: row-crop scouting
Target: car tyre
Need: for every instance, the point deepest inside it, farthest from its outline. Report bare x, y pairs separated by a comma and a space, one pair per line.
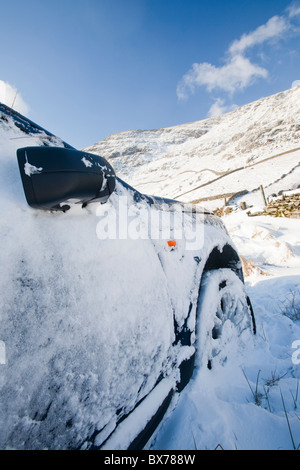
224, 316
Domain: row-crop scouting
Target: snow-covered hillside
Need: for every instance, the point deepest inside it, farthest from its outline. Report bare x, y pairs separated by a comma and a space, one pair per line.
189, 162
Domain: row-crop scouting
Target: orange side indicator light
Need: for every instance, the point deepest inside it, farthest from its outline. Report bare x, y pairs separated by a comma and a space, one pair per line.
171, 243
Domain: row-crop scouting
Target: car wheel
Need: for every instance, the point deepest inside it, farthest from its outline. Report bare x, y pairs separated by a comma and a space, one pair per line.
224, 316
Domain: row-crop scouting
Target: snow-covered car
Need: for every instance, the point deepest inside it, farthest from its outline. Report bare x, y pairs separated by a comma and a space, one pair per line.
110, 299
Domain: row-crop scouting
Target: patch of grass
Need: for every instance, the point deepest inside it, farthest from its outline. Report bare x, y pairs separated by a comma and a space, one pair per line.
290, 307
295, 397
274, 379
288, 423
258, 398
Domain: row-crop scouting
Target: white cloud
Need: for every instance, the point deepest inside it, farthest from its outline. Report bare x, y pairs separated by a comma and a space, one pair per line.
238, 72
219, 107
274, 28
294, 10
295, 83
12, 98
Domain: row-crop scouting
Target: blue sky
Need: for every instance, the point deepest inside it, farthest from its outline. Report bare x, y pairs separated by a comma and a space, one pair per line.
85, 69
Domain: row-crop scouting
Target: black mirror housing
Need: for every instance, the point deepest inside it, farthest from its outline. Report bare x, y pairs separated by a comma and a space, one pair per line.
54, 176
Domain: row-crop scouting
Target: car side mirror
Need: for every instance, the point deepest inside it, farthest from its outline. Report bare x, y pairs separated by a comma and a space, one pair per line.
54, 176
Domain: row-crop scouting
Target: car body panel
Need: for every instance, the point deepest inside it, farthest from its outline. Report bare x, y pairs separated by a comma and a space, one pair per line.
94, 324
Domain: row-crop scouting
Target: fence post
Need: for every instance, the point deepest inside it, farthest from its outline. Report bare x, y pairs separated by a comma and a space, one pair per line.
263, 194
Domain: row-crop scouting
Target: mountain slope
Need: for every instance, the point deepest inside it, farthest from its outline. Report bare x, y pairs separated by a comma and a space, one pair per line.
180, 161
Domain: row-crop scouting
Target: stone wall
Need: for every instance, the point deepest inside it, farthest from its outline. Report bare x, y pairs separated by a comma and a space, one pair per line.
287, 205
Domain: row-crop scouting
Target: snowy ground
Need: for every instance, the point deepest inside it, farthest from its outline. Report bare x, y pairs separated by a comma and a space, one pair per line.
253, 402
